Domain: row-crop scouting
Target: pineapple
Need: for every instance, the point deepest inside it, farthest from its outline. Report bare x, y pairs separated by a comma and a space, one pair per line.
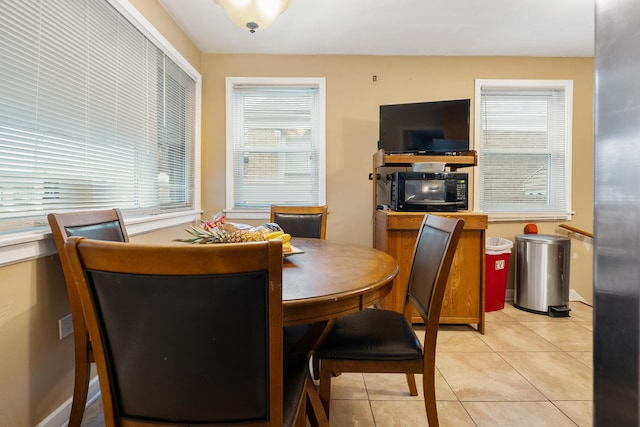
227, 233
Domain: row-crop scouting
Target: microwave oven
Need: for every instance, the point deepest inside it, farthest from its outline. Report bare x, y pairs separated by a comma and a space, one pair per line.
429, 191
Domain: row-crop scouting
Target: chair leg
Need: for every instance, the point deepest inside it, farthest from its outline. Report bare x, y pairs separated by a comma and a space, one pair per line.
80, 389
315, 410
301, 415
429, 390
325, 385
411, 381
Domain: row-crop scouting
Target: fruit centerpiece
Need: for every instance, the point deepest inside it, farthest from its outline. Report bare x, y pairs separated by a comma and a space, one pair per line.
217, 230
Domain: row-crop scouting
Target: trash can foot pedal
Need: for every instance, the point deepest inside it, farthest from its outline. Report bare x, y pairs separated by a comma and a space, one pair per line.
559, 311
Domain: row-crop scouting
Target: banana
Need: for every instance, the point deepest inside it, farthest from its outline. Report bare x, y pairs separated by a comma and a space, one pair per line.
273, 235
280, 235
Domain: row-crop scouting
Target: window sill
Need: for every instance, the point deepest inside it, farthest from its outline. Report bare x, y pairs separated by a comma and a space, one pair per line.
257, 214
528, 217
19, 247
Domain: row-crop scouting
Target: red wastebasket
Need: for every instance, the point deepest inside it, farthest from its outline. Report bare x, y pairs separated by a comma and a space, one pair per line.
497, 253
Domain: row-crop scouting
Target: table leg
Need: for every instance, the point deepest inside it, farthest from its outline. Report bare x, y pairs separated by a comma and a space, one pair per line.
314, 337
315, 410
307, 344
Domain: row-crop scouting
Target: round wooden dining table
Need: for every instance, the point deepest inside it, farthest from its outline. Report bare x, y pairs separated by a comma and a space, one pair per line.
329, 278
323, 280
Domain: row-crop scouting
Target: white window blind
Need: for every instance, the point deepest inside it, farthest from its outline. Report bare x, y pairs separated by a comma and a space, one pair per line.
275, 143
523, 139
92, 115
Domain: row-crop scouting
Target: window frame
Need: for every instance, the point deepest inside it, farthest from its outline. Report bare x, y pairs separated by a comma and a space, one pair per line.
32, 243
526, 85
230, 82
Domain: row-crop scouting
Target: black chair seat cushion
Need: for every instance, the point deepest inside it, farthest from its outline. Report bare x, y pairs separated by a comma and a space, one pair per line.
295, 371
371, 334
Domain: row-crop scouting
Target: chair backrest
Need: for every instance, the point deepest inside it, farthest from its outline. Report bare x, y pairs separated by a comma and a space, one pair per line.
184, 334
432, 258
301, 221
99, 225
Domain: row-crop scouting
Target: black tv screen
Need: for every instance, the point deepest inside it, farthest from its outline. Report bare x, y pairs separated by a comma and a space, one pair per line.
438, 127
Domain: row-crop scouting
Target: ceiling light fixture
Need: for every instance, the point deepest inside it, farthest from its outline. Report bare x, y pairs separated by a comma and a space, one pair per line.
253, 14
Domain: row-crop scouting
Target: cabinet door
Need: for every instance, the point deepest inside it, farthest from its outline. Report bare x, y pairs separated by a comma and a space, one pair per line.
400, 244
463, 296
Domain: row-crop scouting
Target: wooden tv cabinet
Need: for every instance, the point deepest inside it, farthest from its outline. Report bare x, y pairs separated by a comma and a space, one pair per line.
396, 233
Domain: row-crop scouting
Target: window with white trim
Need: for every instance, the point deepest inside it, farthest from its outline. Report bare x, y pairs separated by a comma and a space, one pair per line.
275, 144
95, 112
523, 140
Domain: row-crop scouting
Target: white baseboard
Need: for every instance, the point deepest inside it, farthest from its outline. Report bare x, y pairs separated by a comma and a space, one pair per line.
575, 296
60, 417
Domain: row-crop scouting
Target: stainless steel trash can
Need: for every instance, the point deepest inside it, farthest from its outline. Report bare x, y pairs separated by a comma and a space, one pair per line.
542, 274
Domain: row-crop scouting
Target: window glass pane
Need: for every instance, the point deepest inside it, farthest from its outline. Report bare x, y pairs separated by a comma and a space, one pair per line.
92, 115
515, 179
523, 148
277, 146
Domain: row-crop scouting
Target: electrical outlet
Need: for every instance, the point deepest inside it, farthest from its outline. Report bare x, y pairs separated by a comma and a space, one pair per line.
65, 326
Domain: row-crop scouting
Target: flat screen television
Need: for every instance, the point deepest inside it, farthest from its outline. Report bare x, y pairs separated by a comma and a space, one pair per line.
437, 127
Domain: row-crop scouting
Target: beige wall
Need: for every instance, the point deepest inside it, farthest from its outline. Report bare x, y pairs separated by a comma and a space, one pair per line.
352, 127
36, 369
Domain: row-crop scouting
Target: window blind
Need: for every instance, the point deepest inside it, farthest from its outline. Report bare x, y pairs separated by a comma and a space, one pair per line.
92, 115
277, 146
524, 150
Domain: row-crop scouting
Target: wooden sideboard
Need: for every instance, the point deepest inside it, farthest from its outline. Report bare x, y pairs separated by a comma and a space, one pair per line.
396, 233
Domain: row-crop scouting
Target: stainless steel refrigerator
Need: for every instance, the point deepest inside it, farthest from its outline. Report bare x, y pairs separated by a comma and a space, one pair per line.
617, 213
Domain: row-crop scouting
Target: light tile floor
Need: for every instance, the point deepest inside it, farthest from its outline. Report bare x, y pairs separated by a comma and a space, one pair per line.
526, 370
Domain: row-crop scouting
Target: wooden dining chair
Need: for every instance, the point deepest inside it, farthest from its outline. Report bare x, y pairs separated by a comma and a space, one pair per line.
301, 221
99, 225
383, 341
170, 344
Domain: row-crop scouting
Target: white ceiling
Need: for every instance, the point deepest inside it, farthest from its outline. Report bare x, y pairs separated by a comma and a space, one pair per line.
400, 27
